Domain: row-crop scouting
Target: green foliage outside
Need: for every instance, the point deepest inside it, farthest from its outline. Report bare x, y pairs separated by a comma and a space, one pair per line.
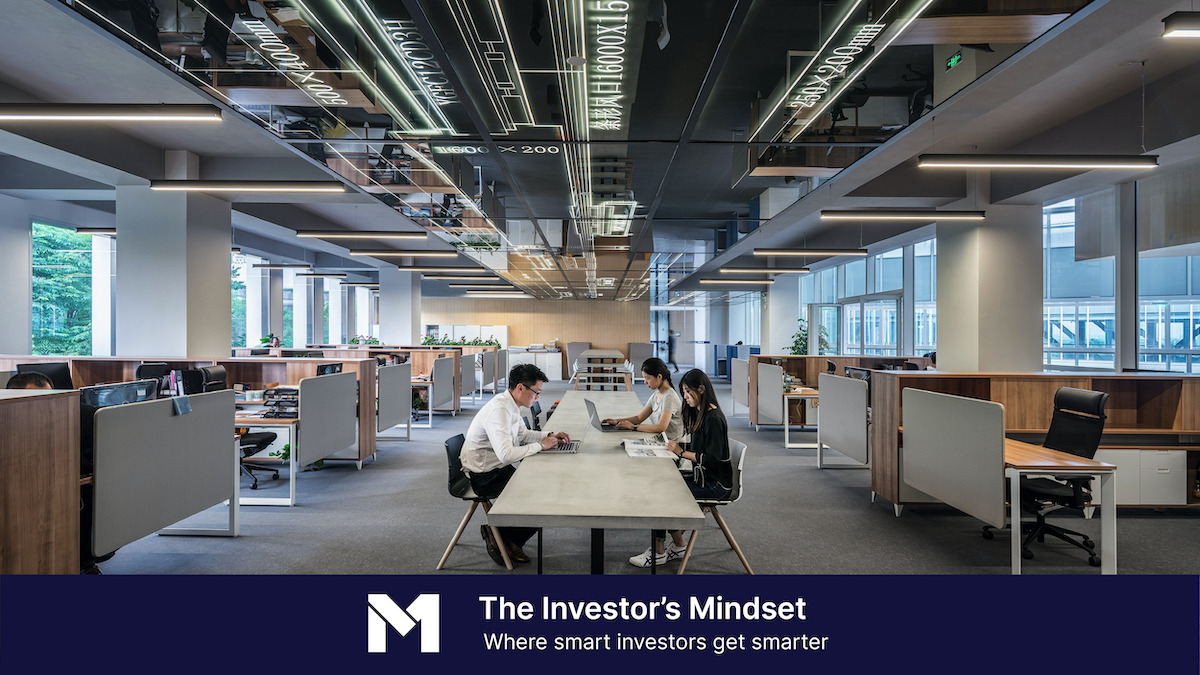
800, 339
237, 305
445, 340
62, 291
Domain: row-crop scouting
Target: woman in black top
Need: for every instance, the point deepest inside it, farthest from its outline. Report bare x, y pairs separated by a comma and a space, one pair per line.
712, 477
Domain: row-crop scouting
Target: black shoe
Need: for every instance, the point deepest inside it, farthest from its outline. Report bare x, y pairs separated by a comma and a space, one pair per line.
91, 569
493, 551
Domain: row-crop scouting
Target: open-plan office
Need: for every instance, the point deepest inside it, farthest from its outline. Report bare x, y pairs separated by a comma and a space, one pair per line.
831, 208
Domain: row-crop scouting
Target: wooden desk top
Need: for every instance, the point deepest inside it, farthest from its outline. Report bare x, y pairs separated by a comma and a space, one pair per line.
801, 392
1021, 455
256, 421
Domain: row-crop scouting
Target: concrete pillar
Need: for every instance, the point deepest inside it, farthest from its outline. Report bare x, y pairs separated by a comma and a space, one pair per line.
172, 274
783, 312
1126, 273
301, 307
399, 307
989, 292
103, 329
16, 277
257, 318
317, 298
274, 302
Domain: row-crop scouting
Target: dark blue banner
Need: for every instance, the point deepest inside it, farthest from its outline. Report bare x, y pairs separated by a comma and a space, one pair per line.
845, 624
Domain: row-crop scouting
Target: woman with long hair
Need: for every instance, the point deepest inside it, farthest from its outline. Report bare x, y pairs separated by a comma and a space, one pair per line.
662, 412
712, 473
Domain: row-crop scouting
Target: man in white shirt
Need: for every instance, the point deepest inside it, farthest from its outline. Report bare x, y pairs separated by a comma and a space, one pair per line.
496, 440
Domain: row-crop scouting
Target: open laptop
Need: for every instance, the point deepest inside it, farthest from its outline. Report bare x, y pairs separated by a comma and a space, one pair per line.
594, 417
568, 447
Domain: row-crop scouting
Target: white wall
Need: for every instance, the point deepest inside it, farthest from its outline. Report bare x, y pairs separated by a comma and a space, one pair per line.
783, 309
399, 307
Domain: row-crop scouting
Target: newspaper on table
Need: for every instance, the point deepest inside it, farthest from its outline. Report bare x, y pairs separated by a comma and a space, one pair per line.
639, 447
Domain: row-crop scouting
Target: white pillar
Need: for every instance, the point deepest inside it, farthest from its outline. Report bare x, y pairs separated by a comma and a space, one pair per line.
16, 277
274, 291
172, 274
257, 319
301, 303
399, 307
783, 310
989, 292
317, 297
337, 317
103, 335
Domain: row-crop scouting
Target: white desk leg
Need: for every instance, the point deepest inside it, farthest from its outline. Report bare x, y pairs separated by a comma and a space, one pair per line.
1108, 523
787, 423
1014, 518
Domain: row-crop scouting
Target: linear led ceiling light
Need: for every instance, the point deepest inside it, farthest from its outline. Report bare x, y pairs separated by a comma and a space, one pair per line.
112, 231
281, 266
763, 270
362, 284
108, 112
746, 282
1182, 25
246, 186
1037, 161
900, 214
459, 277
814, 252
497, 294
359, 234
392, 253
326, 275
494, 287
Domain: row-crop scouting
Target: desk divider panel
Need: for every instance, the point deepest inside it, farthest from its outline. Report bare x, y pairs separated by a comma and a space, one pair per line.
395, 396
770, 394
501, 367
443, 384
739, 378
954, 451
328, 416
466, 382
154, 468
843, 423
489, 369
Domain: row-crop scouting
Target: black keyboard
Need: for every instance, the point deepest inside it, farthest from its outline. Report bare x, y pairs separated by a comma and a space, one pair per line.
281, 414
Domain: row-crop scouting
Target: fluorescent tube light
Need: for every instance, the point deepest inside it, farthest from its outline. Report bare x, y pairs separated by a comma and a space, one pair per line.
763, 270
1182, 25
358, 234
1037, 161
281, 266
900, 214
813, 252
321, 274
245, 186
744, 282
108, 112
391, 253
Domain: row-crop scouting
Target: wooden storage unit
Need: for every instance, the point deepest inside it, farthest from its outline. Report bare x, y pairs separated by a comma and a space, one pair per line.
1151, 433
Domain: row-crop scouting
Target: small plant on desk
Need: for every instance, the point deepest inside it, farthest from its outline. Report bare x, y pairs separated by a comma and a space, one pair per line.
284, 453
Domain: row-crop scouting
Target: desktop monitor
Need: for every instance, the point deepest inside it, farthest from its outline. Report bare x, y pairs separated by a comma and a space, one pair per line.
94, 398
329, 368
58, 372
260, 352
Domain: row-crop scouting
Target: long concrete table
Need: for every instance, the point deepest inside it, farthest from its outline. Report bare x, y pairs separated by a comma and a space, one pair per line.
600, 487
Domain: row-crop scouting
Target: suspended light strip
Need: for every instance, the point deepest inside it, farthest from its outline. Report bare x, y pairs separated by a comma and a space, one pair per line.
448, 270
391, 253
361, 284
743, 282
112, 231
494, 287
488, 294
281, 266
763, 270
321, 274
1037, 161
347, 234
459, 277
1182, 25
245, 186
108, 112
902, 215
809, 251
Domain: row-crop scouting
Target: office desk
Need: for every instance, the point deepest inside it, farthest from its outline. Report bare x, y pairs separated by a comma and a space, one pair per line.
801, 394
600, 487
277, 425
1025, 458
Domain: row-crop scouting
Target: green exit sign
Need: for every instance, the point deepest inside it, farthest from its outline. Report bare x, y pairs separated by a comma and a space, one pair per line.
954, 60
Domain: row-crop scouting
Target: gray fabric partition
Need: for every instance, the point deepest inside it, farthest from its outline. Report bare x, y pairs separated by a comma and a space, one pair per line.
770, 394
739, 379
466, 381
574, 349
638, 353
954, 451
155, 468
395, 396
442, 377
501, 367
488, 360
328, 416
843, 422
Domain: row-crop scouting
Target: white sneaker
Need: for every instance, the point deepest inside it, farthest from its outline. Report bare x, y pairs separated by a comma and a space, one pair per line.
643, 559
675, 552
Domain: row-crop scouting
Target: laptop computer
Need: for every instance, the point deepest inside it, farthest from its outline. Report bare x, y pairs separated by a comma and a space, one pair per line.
594, 417
563, 448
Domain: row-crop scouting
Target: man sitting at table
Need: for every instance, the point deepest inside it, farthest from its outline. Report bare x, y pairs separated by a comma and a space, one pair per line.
496, 440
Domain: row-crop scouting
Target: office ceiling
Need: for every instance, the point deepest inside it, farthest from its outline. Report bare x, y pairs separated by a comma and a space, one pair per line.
576, 149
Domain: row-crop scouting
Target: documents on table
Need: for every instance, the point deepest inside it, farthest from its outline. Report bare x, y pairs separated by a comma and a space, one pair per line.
637, 447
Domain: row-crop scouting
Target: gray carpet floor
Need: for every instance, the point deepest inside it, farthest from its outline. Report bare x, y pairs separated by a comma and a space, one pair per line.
394, 516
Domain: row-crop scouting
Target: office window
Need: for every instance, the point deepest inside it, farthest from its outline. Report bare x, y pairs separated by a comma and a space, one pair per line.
289, 311
827, 285
852, 328
1078, 309
924, 292
855, 278
62, 291
889, 270
239, 273
880, 327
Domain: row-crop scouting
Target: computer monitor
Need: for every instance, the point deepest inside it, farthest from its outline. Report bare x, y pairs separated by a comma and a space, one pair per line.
58, 372
214, 378
260, 352
94, 398
329, 368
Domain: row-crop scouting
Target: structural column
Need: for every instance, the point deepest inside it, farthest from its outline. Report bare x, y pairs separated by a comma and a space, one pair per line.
782, 315
989, 292
1126, 269
16, 277
399, 307
172, 274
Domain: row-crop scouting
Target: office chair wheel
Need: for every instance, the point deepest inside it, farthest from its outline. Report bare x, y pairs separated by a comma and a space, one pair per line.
987, 534
275, 476
1093, 561
1091, 545
1026, 554
254, 487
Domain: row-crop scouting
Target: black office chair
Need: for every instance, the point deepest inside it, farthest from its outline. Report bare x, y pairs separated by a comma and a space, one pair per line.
59, 372
1076, 428
459, 486
254, 443
214, 378
535, 410
830, 367
909, 365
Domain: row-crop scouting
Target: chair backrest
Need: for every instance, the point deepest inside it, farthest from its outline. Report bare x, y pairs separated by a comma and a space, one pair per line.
59, 372
535, 412
909, 365
737, 457
214, 378
1078, 421
458, 484
574, 349
151, 371
830, 367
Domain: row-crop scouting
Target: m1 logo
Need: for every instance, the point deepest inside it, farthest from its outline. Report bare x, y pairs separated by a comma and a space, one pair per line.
382, 612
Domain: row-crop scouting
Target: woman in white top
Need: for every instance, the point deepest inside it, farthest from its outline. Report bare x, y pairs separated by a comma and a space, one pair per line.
662, 412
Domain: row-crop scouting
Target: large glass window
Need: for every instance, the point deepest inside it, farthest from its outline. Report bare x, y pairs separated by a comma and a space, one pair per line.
1078, 309
239, 274
62, 291
889, 270
856, 278
925, 296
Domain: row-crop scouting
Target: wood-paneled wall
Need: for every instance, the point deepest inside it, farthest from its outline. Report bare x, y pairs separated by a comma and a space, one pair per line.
605, 324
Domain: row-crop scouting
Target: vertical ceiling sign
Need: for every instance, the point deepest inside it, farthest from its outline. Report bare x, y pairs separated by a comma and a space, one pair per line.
862, 30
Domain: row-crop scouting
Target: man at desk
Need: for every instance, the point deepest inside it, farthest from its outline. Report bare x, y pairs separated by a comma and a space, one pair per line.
496, 440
